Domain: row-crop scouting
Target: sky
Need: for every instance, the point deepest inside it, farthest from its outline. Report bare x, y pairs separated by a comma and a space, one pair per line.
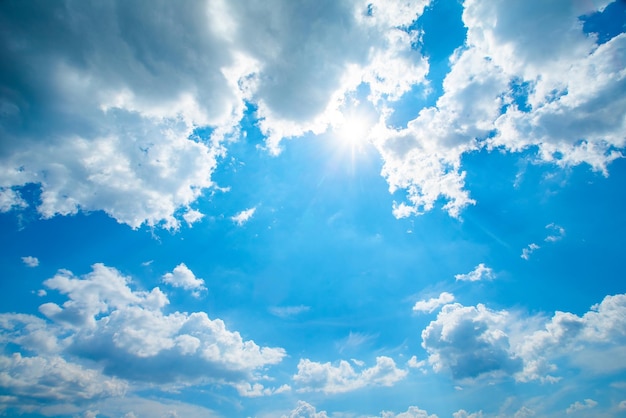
313, 209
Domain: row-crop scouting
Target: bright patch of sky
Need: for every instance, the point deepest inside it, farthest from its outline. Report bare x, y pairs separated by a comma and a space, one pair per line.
312, 209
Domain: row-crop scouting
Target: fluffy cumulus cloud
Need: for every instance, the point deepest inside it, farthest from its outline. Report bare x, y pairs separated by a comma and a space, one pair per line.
100, 106
480, 272
475, 341
507, 89
412, 412
106, 336
329, 378
183, 277
433, 303
305, 410
470, 341
30, 261
580, 406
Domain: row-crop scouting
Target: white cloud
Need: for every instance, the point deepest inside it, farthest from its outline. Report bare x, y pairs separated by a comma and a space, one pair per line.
470, 341
526, 252
305, 410
480, 272
256, 390
10, 199
112, 125
30, 261
243, 216
412, 412
558, 232
622, 406
33, 381
106, 336
192, 216
570, 120
288, 311
524, 412
579, 406
414, 364
326, 378
462, 413
181, 276
433, 303
475, 341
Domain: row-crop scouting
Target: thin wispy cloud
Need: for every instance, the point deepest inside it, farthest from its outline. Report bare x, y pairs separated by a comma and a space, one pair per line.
244, 216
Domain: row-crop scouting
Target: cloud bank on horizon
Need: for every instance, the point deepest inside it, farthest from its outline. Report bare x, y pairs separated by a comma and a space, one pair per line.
141, 111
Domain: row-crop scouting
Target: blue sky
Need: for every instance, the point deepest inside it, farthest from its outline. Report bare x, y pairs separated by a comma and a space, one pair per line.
313, 209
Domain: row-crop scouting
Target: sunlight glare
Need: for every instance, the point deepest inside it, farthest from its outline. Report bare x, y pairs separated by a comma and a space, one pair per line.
353, 131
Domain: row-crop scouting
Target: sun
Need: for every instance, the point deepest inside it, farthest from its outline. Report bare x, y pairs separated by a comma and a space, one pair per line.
352, 130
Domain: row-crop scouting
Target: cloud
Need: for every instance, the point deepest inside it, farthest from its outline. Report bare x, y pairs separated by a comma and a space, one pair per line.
506, 90
109, 337
255, 390
305, 410
115, 112
192, 216
558, 232
33, 381
10, 199
355, 340
181, 276
462, 413
243, 216
433, 303
112, 122
475, 341
30, 261
329, 379
412, 412
480, 272
526, 252
469, 342
578, 406
414, 364
288, 311
110, 125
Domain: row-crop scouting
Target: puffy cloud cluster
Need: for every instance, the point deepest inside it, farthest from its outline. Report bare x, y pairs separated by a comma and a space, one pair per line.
412, 412
509, 89
480, 272
579, 406
106, 334
474, 341
327, 378
306, 410
100, 103
469, 341
433, 303
181, 276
